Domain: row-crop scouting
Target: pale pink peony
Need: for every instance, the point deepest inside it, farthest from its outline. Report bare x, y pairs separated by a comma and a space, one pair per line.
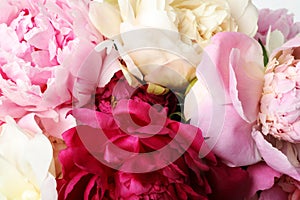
278, 134
224, 102
268, 184
45, 47
279, 110
276, 20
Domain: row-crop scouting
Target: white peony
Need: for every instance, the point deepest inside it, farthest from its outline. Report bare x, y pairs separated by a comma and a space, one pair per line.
161, 41
24, 163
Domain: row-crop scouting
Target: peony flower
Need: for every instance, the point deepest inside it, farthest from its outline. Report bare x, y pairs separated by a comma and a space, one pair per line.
160, 41
197, 20
275, 27
270, 184
118, 151
31, 65
83, 176
262, 179
24, 163
47, 45
224, 102
277, 134
283, 188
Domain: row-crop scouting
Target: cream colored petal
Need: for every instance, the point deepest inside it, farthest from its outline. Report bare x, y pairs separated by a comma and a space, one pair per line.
12, 142
31, 155
48, 188
132, 81
126, 11
2, 197
12, 183
153, 14
245, 14
237, 7
39, 155
106, 18
274, 40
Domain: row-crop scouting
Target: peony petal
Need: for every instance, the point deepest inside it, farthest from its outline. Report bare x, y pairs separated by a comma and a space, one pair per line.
262, 176
275, 158
9, 108
109, 68
235, 96
247, 22
39, 160
293, 43
126, 10
153, 14
200, 96
231, 188
234, 143
274, 40
29, 123
12, 183
56, 92
246, 83
275, 193
105, 18
57, 127
12, 143
48, 188
237, 7
219, 52
11, 42
228, 139
7, 12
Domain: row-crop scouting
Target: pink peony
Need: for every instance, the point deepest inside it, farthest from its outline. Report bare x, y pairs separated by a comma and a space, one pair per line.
224, 102
117, 152
276, 20
270, 184
45, 48
278, 135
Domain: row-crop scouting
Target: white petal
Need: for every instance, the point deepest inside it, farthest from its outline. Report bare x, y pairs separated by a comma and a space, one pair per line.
12, 182
12, 143
126, 11
237, 7
48, 188
153, 14
105, 18
274, 40
246, 15
39, 155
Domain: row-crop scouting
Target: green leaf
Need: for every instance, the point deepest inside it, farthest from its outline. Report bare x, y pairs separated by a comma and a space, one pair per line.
265, 54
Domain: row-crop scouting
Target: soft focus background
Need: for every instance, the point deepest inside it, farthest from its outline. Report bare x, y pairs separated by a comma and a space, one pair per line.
292, 5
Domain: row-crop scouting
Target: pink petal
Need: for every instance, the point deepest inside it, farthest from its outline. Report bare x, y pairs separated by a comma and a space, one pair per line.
56, 127
293, 43
246, 82
9, 108
7, 12
275, 158
275, 193
29, 123
221, 47
234, 143
262, 176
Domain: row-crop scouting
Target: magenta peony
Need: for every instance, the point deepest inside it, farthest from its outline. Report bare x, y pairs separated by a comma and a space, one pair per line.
118, 152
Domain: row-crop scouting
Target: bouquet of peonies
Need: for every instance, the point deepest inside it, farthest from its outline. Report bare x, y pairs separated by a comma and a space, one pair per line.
150, 100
